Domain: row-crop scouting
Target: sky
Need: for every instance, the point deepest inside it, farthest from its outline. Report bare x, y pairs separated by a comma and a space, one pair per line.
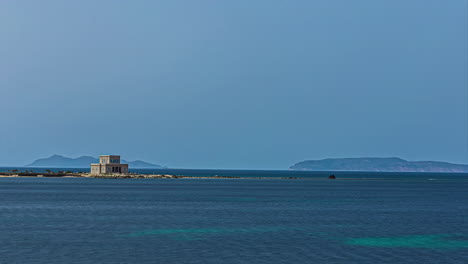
239, 84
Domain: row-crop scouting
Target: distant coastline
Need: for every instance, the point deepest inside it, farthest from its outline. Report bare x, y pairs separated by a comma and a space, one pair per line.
371, 164
352, 168
22, 172
59, 161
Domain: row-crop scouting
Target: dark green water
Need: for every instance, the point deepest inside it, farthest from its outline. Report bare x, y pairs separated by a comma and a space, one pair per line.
75, 220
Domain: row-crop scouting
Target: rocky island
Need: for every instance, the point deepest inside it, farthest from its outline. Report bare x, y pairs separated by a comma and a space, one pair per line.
378, 165
59, 161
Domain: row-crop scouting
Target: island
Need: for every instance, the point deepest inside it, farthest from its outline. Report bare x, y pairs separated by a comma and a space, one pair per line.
59, 161
378, 165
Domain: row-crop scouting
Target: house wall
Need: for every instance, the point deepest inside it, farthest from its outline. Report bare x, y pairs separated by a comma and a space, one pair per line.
109, 168
106, 159
95, 168
114, 168
109, 164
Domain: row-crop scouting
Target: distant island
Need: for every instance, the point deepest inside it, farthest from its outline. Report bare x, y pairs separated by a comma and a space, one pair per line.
58, 161
379, 165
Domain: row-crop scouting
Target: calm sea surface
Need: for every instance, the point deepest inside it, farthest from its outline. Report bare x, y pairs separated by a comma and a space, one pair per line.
80, 220
271, 173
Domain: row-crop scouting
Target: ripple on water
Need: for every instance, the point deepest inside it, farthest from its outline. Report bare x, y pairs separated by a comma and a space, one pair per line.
206, 231
200, 233
422, 241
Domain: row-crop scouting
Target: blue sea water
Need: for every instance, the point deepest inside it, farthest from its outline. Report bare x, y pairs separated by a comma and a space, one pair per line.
270, 173
82, 220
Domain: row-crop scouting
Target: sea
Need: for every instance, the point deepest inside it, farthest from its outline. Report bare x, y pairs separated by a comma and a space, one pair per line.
357, 218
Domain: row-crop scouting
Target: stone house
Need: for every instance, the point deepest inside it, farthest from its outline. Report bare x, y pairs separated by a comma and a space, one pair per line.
109, 164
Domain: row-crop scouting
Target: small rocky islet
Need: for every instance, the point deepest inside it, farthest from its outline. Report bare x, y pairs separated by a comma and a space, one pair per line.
70, 174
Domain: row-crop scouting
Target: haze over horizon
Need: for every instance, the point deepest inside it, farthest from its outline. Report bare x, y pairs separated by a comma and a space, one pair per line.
234, 84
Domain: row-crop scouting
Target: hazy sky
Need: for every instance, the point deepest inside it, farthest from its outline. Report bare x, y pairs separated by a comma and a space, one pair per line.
233, 84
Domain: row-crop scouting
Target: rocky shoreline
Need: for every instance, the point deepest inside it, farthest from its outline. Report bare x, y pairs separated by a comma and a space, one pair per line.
130, 176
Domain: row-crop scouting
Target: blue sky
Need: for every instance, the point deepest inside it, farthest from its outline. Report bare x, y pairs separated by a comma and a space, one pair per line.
233, 84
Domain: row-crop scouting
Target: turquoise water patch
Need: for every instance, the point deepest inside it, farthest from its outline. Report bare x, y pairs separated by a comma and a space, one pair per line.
423, 241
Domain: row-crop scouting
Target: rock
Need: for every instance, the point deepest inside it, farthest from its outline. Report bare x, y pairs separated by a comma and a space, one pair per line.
332, 177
